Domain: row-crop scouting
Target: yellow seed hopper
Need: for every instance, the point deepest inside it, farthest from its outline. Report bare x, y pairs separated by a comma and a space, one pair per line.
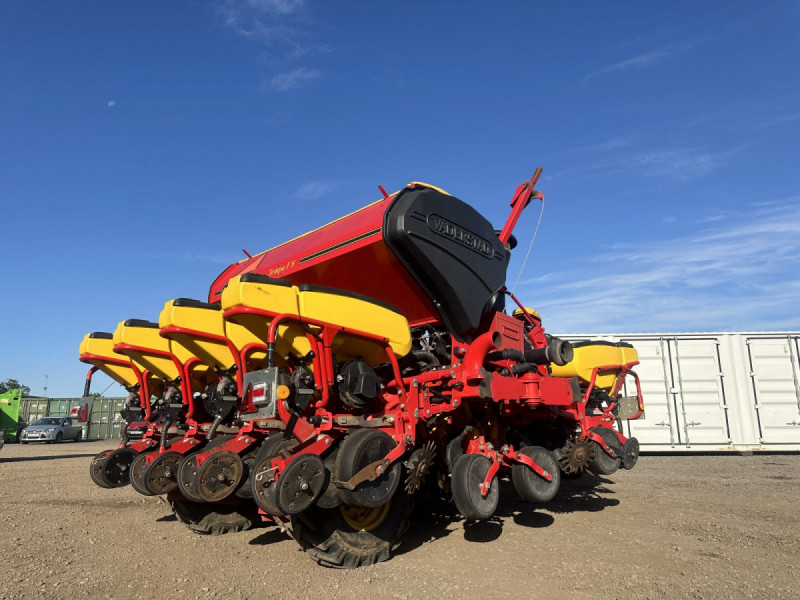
607, 358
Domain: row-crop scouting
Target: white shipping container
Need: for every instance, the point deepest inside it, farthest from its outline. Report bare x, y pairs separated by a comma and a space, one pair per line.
716, 391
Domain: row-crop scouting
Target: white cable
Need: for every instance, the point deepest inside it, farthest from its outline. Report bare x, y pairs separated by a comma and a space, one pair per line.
524, 262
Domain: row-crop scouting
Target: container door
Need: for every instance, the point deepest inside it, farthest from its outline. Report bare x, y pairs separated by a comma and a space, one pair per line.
699, 391
658, 425
774, 374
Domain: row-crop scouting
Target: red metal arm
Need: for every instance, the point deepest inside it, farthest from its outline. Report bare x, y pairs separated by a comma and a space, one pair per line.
522, 198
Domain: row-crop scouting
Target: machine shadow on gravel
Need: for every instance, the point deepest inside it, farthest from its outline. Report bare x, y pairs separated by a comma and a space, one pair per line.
14, 459
272, 535
433, 518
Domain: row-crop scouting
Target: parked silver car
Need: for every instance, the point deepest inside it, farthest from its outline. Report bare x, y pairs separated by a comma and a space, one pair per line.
51, 429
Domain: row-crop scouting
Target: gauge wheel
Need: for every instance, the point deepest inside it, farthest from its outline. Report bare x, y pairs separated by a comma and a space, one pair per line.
602, 463
469, 474
529, 485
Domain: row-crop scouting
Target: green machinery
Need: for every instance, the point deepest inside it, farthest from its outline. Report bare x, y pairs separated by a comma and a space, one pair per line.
9, 414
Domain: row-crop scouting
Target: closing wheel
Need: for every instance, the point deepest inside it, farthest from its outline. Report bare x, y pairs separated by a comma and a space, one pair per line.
219, 476
161, 475
96, 466
602, 463
116, 468
300, 484
216, 519
348, 537
187, 469
630, 454
245, 489
138, 467
529, 485
359, 449
263, 485
469, 474
187, 473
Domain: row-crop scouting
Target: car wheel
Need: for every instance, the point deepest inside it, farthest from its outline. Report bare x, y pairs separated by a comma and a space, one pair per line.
79, 437
58, 439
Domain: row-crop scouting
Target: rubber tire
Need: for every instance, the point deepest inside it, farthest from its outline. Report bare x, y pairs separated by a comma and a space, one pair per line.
58, 439
531, 487
79, 437
602, 463
357, 450
331, 542
216, 519
469, 472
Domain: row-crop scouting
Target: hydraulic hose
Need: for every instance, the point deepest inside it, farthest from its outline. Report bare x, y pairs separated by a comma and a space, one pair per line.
164, 431
506, 354
212, 431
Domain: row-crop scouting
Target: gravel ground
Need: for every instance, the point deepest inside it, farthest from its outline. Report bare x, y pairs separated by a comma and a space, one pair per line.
674, 527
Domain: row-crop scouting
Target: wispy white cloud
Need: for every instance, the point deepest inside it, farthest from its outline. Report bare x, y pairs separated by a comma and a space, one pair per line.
283, 7
745, 275
263, 20
677, 163
111, 103
639, 61
282, 29
293, 79
314, 189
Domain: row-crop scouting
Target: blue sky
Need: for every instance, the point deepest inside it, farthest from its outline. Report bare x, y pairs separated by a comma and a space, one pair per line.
143, 144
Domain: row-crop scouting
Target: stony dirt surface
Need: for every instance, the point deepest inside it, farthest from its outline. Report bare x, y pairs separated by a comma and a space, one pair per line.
674, 527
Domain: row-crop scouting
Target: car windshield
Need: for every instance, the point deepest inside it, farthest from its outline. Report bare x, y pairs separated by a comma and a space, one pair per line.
48, 421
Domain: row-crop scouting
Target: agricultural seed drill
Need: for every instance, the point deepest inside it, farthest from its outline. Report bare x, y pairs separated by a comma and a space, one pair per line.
331, 378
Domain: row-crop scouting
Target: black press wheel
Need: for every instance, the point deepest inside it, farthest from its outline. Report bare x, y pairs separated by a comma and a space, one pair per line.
95, 468
469, 473
602, 463
116, 468
216, 519
630, 453
529, 485
348, 537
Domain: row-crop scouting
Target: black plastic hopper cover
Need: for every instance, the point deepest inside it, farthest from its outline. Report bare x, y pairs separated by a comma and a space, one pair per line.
451, 251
